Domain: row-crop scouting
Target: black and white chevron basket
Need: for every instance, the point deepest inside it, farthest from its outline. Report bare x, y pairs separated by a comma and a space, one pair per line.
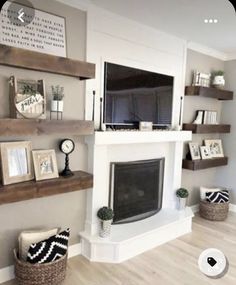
52, 273
214, 211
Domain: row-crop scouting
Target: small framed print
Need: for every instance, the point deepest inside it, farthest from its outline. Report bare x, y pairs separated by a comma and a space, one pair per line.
194, 151
215, 147
45, 164
205, 152
17, 163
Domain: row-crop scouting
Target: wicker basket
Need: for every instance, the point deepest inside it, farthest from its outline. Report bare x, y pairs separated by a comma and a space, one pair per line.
52, 273
213, 211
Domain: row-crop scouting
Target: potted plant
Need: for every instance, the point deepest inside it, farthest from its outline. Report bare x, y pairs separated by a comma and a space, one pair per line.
218, 79
57, 101
105, 215
182, 194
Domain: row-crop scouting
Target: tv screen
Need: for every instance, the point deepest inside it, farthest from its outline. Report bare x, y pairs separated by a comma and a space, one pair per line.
132, 95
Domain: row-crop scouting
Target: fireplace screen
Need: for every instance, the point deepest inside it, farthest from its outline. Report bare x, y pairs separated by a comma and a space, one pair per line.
136, 189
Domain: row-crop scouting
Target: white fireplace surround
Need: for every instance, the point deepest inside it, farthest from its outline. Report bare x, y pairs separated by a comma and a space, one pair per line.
128, 240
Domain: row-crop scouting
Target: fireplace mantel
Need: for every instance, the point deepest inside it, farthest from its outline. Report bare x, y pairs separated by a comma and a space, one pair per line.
105, 148
136, 137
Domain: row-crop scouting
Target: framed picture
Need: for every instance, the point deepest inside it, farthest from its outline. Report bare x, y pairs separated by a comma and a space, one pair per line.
46, 33
194, 151
45, 164
17, 163
201, 79
215, 147
27, 98
205, 152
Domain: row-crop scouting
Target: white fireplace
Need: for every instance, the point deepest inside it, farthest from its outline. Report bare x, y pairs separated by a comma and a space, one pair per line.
130, 239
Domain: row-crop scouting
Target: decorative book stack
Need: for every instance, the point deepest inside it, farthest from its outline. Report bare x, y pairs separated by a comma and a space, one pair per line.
206, 117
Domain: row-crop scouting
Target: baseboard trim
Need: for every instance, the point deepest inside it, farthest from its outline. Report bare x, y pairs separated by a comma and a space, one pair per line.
232, 208
74, 250
7, 273
195, 208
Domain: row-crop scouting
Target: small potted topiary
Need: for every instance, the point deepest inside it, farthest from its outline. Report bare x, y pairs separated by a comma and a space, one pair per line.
182, 194
218, 79
105, 215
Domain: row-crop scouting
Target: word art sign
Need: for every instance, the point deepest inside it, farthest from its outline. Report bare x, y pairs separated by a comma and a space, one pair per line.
29, 103
27, 98
45, 33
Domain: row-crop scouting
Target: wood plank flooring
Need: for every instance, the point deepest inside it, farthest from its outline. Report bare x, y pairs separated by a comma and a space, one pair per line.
170, 264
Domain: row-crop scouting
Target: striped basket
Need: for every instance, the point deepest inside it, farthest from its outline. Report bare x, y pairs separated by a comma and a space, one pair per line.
52, 273
213, 211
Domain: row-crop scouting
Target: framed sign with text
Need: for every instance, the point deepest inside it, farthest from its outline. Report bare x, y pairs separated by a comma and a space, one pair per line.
46, 33
27, 98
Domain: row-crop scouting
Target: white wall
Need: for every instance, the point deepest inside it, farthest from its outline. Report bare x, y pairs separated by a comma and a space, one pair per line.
225, 176
119, 40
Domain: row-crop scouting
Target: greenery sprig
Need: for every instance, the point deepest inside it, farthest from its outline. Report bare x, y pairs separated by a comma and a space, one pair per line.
57, 92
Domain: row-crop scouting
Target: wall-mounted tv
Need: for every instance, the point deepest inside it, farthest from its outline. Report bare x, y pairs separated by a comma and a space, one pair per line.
132, 95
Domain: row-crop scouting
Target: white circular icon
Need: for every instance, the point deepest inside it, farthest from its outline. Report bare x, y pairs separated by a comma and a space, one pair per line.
21, 14
213, 263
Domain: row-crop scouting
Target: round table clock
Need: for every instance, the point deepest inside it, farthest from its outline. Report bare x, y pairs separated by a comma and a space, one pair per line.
67, 146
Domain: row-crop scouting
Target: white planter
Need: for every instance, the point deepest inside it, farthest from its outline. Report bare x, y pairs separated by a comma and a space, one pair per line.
182, 203
57, 106
219, 81
105, 229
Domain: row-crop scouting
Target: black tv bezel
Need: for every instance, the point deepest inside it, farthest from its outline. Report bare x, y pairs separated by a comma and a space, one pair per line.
136, 124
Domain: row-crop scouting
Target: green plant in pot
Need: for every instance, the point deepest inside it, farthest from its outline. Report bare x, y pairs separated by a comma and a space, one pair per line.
57, 103
218, 79
182, 194
105, 214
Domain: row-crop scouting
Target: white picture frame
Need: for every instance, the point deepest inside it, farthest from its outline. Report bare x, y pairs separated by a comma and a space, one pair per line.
45, 164
194, 151
17, 165
215, 147
205, 152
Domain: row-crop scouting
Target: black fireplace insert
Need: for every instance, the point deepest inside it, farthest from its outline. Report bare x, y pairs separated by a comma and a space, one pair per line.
136, 189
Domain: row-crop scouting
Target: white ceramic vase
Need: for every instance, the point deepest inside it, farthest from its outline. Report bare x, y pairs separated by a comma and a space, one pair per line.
57, 106
219, 81
105, 229
182, 203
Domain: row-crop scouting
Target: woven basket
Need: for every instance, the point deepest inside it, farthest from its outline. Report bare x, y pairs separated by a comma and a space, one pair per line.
52, 273
213, 211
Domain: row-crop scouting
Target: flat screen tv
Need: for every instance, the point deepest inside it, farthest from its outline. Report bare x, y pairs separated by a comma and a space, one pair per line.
132, 95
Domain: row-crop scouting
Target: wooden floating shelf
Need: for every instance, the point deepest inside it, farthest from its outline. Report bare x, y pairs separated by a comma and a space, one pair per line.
31, 189
206, 129
22, 58
204, 164
26, 127
208, 92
